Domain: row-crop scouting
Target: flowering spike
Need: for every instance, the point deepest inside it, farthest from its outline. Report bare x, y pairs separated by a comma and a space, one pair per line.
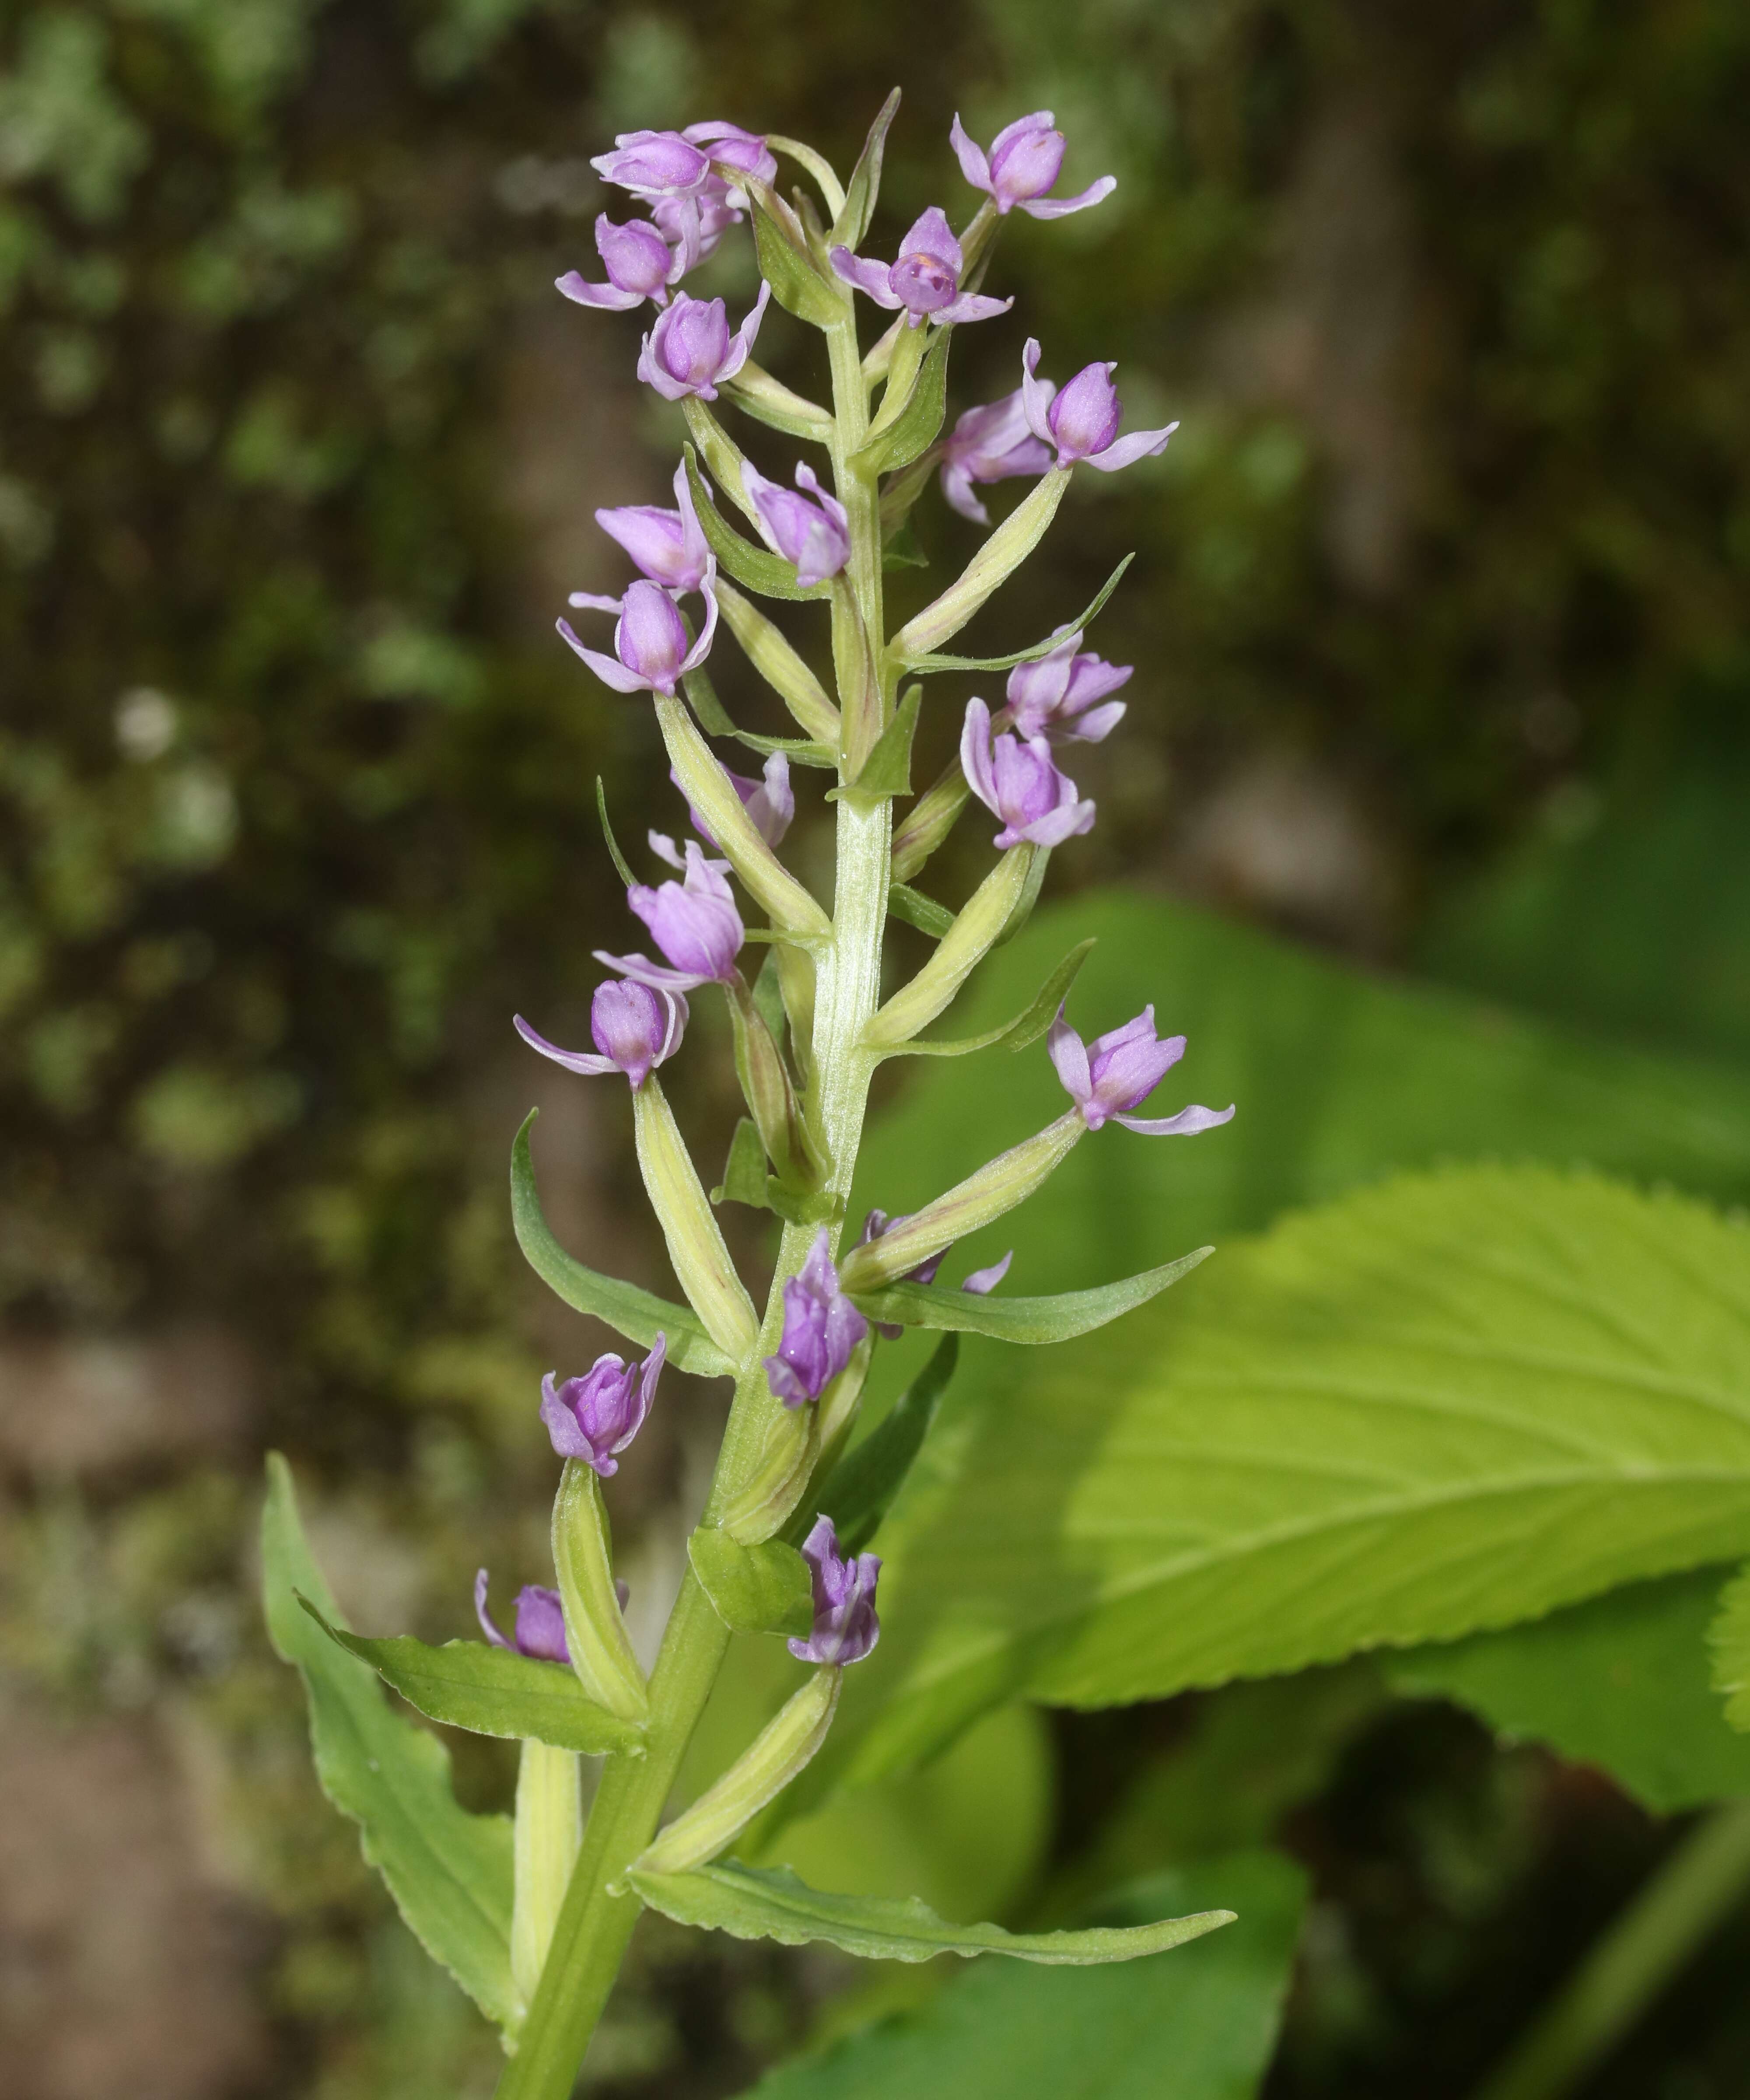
822, 1328
635, 1026
925, 281
990, 443
1023, 161
1020, 782
1080, 422
813, 536
595, 1417
1054, 696
690, 350
539, 1622
1117, 1071
846, 1628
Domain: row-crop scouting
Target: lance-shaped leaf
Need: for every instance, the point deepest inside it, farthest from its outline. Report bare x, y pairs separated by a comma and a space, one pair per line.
1011, 543
917, 910
769, 652
903, 550
979, 1200
929, 821
744, 1174
701, 1260
641, 1315
753, 1903
724, 458
758, 567
712, 794
769, 401
981, 922
905, 430
788, 267
493, 1691
1027, 1026
887, 771
450, 1873
939, 662
762, 1589
1728, 1637
860, 193
1058, 1318
859, 1491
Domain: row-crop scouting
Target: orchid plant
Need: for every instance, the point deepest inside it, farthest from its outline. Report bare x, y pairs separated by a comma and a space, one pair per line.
778, 1549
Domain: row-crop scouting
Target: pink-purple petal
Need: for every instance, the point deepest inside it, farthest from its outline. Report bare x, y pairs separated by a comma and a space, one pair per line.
1125, 451
1187, 1123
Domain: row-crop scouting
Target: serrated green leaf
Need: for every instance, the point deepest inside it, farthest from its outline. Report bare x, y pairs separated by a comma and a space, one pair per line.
450, 1873
927, 664
639, 1315
784, 262
756, 568
1620, 1682
763, 1589
1451, 1403
860, 1489
917, 910
493, 1691
753, 1903
1027, 1026
914, 427
1026, 1320
1729, 1637
1201, 2027
887, 771
852, 221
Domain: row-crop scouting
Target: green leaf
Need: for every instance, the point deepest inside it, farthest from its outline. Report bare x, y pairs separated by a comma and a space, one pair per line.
1620, 1681
756, 568
914, 429
449, 1872
639, 1315
493, 1691
939, 662
1728, 1637
865, 185
615, 854
798, 750
784, 262
1028, 1320
755, 1903
1201, 2027
1451, 1403
763, 1589
1027, 1026
887, 771
744, 1172
757, 394
904, 549
860, 1489
917, 910
713, 717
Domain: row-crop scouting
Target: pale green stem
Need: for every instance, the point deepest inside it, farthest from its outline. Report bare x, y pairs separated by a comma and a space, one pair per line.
1700, 1884
593, 1929
549, 1827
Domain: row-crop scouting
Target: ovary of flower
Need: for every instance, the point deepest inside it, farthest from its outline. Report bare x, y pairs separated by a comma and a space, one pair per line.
1080, 421
822, 1328
667, 545
694, 922
595, 1416
634, 1027
690, 350
988, 443
641, 264
1055, 695
1020, 782
1023, 161
811, 530
652, 652
845, 1626
925, 281
1117, 1071
539, 1622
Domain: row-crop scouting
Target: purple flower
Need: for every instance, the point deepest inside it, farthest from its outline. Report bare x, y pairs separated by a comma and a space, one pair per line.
1020, 783
743, 152
540, 1622
702, 220
1081, 420
641, 264
1023, 163
990, 444
822, 1327
1117, 1071
666, 544
690, 350
845, 1627
655, 164
594, 1417
694, 922
634, 1027
980, 1283
926, 279
815, 535
652, 652
771, 802
1054, 695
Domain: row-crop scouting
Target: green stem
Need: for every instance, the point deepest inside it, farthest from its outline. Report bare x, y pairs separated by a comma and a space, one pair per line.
590, 1936
1701, 1881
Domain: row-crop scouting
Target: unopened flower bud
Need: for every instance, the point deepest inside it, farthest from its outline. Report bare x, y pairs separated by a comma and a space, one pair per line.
635, 1027
595, 1417
1023, 161
1116, 1073
845, 1627
815, 535
822, 1328
690, 350
667, 545
1020, 782
539, 1622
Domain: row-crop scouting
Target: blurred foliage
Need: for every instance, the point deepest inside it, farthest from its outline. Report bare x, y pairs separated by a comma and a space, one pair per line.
1455, 308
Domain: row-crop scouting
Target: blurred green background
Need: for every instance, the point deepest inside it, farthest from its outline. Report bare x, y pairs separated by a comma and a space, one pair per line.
1441, 614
